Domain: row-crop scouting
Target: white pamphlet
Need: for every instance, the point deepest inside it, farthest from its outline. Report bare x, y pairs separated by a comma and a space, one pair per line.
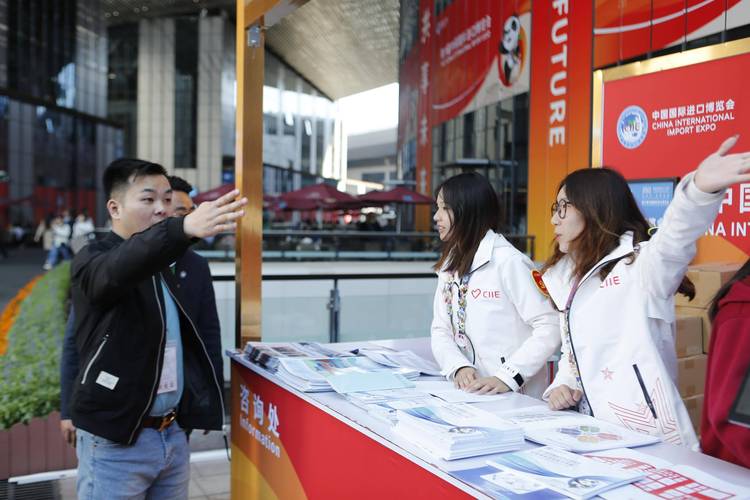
574, 431
575, 476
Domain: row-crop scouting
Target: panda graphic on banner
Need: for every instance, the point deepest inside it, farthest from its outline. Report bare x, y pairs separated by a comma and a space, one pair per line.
511, 50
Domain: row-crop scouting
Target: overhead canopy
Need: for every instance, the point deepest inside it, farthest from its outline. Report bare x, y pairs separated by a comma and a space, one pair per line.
341, 47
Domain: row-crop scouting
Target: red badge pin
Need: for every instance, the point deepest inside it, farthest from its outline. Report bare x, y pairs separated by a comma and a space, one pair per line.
539, 282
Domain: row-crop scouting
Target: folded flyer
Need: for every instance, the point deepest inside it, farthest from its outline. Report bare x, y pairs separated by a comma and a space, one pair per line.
574, 431
312, 375
405, 359
572, 475
370, 381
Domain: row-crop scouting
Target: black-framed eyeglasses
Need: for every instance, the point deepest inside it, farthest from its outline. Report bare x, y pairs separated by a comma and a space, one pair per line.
560, 208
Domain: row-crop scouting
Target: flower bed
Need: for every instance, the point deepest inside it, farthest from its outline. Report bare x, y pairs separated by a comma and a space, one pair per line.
8, 317
30, 367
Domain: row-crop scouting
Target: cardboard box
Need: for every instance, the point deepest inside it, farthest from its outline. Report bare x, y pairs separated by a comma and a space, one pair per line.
689, 336
707, 278
694, 407
691, 375
701, 313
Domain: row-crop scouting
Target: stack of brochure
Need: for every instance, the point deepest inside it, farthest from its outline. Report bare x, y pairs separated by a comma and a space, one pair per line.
400, 359
548, 468
456, 430
574, 431
315, 375
383, 405
268, 355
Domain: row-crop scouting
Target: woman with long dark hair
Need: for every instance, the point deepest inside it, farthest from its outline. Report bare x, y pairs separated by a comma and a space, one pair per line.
493, 325
728, 365
615, 285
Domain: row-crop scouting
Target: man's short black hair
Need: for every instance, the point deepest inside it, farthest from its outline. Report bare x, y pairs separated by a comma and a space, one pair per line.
122, 172
180, 184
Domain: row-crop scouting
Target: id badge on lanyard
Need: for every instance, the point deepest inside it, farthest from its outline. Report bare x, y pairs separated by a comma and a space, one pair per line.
460, 337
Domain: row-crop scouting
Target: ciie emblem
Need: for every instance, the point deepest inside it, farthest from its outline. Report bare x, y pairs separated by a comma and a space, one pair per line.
632, 127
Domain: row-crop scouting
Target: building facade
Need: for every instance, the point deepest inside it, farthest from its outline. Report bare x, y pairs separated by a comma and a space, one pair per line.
55, 136
507, 87
371, 157
172, 86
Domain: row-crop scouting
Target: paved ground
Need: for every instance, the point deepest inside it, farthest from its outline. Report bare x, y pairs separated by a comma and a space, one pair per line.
18, 269
209, 479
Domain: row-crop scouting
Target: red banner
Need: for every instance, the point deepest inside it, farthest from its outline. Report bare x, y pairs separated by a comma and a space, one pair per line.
627, 30
463, 57
284, 447
651, 130
478, 54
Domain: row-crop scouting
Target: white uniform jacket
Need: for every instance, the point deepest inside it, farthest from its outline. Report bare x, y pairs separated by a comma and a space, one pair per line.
512, 325
622, 328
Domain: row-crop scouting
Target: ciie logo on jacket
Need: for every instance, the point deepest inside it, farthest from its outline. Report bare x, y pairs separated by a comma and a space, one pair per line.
632, 127
611, 281
478, 293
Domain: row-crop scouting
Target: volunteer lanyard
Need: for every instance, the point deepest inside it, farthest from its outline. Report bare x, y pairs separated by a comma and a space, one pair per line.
583, 404
460, 337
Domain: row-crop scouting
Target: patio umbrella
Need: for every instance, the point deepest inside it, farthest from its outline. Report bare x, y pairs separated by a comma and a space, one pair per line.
317, 196
397, 196
212, 194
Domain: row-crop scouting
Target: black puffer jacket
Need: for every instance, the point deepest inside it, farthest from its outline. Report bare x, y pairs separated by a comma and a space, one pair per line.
120, 330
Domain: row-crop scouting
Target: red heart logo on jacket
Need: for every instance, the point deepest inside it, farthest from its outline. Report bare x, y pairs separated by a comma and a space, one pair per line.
476, 293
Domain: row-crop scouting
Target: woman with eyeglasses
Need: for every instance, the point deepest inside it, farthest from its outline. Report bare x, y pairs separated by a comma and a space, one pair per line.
615, 285
493, 325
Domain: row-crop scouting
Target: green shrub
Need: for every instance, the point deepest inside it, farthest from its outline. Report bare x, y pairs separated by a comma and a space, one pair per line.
30, 369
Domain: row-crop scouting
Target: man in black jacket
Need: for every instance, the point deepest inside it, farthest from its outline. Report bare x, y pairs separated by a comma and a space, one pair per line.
145, 373
194, 281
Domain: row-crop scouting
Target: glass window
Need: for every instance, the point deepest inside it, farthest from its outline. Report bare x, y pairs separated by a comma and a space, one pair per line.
289, 108
122, 82
320, 130
186, 92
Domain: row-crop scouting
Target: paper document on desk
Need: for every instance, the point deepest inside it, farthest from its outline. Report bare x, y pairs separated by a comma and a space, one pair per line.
379, 396
406, 359
451, 431
268, 354
311, 375
574, 431
575, 476
515, 489
664, 480
447, 392
387, 411
371, 381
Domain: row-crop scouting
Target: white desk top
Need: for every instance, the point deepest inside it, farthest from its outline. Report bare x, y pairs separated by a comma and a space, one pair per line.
339, 407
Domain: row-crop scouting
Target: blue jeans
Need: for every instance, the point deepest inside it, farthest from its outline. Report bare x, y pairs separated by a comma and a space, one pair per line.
58, 254
156, 467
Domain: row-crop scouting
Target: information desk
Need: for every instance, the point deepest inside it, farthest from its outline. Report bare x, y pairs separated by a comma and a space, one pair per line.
288, 444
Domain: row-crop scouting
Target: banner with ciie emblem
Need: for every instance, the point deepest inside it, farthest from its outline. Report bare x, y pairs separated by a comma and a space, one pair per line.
662, 124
